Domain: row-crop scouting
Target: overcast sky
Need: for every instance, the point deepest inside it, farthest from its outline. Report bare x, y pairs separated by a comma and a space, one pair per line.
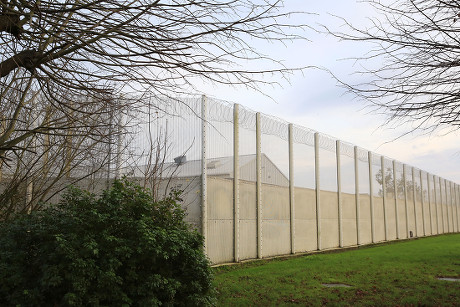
314, 100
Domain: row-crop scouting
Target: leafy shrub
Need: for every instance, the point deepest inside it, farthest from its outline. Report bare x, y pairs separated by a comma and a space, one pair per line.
117, 249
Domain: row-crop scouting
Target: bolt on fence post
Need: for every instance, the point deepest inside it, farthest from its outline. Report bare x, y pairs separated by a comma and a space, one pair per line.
395, 190
204, 186
429, 202
405, 201
236, 187
384, 191
259, 185
339, 193
358, 235
291, 187
318, 198
371, 195
414, 193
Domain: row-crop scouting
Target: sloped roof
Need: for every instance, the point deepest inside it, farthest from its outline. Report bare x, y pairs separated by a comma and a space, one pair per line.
222, 166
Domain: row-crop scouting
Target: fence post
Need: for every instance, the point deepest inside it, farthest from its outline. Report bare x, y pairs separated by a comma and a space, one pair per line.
405, 201
395, 188
429, 202
339, 193
318, 190
457, 195
259, 186
457, 204
452, 207
436, 203
236, 178
414, 193
447, 205
442, 207
371, 195
384, 191
454, 212
2, 129
119, 158
423, 203
291, 186
204, 185
358, 234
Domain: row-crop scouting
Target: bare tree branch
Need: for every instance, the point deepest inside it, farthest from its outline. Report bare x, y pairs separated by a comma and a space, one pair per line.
419, 44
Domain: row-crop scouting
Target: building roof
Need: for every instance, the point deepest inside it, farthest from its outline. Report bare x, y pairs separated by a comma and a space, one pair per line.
219, 167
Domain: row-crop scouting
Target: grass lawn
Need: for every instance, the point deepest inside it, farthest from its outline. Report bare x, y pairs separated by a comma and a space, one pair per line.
399, 273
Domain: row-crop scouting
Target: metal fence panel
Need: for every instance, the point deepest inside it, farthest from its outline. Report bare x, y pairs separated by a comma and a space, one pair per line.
305, 194
275, 188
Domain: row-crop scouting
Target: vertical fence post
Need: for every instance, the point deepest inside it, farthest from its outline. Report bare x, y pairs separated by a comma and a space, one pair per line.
452, 207
429, 202
423, 203
436, 203
414, 196
447, 205
259, 185
358, 234
395, 188
318, 190
405, 201
236, 186
204, 188
442, 207
384, 196
371, 195
291, 186
119, 158
339, 193
457, 195
457, 204
2, 129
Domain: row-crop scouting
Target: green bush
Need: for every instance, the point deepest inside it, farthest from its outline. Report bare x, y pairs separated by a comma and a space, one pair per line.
121, 248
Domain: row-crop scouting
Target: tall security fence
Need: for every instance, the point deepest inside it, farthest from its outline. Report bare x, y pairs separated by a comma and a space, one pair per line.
269, 187
256, 186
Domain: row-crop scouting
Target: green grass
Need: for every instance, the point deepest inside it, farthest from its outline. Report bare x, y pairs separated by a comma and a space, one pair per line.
401, 273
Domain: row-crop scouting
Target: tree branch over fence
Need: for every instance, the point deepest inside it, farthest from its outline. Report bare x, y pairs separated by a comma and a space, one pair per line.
419, 44
68, 67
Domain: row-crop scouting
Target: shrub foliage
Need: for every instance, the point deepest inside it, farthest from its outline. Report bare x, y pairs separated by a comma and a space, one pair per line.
121, 248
